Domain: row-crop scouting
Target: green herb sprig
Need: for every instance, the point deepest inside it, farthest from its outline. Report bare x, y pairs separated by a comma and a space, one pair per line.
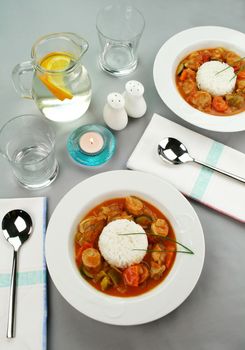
240, 69
186, 251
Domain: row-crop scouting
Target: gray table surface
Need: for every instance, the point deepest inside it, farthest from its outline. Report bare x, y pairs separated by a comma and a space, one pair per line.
213, 317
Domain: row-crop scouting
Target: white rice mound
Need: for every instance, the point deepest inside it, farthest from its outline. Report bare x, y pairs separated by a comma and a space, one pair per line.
216, 84
117, 248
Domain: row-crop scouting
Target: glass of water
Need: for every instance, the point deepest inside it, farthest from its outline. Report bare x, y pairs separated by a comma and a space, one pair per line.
119, 28
28, 141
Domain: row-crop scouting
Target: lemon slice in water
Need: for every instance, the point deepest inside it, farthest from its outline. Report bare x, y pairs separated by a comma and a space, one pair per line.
56, 62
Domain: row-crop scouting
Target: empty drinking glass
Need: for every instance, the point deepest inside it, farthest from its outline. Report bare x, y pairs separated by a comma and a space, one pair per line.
119, 28
28, 142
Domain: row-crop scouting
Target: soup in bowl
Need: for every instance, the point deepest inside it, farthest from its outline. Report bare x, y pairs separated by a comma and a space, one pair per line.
213, 81
124, 246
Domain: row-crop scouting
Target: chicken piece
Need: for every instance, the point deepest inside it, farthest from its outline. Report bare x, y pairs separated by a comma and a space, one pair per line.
134, 205
156, 270
217, 54
111, 211
160, 227
158, 255
241, 85
232, 58
194, 61
190, 74
188, 86
91, 227
201, 99
143, 272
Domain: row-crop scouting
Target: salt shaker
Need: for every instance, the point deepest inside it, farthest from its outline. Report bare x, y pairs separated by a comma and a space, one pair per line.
115, 115
135, 104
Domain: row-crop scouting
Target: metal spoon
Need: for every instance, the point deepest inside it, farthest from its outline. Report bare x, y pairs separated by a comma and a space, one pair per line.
17, 227
173, 151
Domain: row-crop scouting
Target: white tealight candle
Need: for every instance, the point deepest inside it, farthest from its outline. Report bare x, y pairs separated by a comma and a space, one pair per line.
91, 142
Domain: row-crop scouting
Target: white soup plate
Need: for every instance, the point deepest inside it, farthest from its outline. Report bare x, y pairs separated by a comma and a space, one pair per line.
168, 59
158, 302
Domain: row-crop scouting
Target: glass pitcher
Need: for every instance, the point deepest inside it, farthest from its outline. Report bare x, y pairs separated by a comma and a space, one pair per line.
61, 86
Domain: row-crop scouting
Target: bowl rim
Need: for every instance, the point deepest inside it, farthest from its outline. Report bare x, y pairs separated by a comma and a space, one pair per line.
164, 74
118, 310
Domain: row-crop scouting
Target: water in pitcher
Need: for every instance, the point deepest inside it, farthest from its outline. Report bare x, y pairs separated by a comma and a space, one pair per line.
63, 90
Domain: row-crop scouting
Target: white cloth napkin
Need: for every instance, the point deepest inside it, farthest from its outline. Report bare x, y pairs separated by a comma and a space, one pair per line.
31, 310
212, 189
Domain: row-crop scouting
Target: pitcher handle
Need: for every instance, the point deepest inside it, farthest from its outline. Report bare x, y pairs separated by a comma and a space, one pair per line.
18, 71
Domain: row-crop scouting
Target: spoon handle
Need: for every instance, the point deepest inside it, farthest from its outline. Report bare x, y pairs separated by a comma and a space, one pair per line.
11, 315
236, 177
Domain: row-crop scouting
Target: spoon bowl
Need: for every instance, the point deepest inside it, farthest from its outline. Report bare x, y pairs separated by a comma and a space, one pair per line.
17, 227
173, 151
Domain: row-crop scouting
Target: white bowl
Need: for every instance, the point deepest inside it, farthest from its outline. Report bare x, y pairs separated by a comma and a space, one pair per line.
170, 55
118, 310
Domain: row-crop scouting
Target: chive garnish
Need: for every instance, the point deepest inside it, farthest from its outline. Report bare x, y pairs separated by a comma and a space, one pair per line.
187, 251
240, 59
165, 251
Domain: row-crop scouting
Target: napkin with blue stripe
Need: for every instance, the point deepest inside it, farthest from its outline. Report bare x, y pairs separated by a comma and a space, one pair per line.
214, 190
31, 299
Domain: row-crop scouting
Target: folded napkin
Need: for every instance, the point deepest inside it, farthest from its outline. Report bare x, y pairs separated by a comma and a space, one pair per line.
212, 189
31, 298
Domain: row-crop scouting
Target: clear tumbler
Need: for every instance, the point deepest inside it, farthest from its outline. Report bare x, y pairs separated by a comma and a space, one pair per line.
119, 28
28, 142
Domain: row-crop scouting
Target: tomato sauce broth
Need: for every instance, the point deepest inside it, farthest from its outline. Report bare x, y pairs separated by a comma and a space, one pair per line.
150, 283
225, 106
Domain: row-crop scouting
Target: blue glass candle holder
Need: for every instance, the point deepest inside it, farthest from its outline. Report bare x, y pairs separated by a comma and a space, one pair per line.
82, 149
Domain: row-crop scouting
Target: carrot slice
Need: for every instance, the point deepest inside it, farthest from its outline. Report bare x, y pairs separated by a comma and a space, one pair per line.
184, 75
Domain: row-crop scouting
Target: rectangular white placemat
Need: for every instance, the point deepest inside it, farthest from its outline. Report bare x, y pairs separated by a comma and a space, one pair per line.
31, 311
212, 189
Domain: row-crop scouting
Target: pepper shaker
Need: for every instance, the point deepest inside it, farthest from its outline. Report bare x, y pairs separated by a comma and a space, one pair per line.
135, 104
114, 113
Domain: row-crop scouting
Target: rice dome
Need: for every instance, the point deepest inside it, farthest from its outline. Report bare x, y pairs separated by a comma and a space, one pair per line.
117, 247
216, 84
